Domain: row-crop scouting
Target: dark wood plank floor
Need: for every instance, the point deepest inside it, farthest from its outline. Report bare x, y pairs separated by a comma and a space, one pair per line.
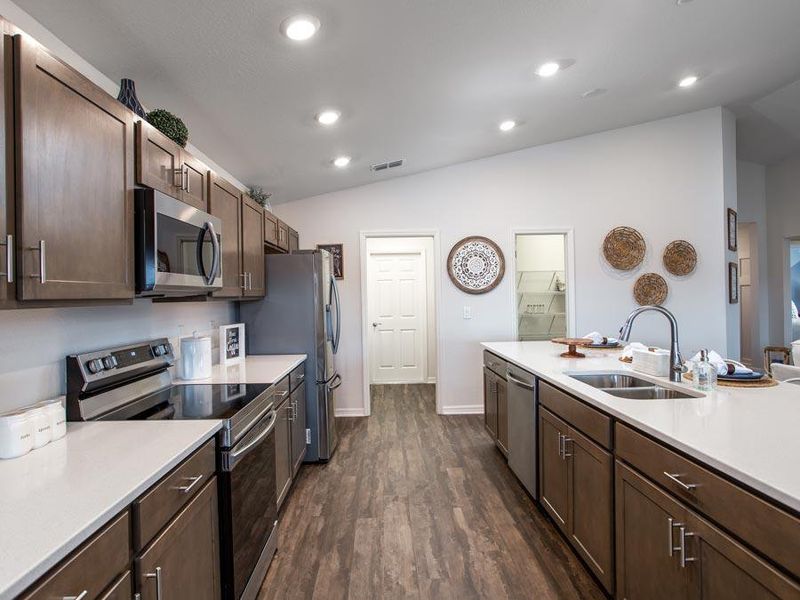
417, 505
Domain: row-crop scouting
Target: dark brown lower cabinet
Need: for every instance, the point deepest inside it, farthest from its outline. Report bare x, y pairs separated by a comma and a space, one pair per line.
183, 560
553, 469
490, 402
298, 400
283, 449
121, 589
665, 550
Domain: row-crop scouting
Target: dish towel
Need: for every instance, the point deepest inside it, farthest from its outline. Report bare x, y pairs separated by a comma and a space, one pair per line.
599, 339
721, 364
627, 351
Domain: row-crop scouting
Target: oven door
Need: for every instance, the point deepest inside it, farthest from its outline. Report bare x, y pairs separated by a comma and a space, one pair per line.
248, 509
178, 247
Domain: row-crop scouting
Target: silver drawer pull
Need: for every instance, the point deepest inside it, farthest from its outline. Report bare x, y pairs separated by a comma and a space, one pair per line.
157, 577
282, 394
80, 596
187, 488
675, 477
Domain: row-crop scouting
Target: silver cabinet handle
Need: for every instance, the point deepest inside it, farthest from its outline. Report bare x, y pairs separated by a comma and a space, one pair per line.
80, 596
561, 445
157, 577
519, 382
244, 280
187, 189
42, 274
565, 455
175, 174
188, 488
9, 244
250, 280
682, 535
290, 412
675, 477
672, 525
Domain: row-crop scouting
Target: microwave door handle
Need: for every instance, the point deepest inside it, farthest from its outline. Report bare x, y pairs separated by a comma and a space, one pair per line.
200, 241
216, 260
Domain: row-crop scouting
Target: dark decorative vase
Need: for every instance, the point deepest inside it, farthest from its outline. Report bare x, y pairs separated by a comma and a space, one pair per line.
127, 95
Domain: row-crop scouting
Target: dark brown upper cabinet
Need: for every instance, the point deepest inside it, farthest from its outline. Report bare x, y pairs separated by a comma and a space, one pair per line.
74, 187
7, 238
270, 229
253, 263
224, 202
164, 166
283, 236
294, 241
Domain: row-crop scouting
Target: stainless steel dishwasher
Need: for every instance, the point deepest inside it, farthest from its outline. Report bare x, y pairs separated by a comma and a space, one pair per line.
522, 426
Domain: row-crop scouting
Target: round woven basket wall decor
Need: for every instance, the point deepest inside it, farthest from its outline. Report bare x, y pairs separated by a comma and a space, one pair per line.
624, 248
650, 288
476, 265
680, 258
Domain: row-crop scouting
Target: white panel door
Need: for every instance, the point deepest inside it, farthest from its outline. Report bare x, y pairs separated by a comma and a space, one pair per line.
397, 317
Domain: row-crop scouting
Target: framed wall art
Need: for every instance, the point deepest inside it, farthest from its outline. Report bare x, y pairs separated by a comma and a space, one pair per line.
476, 265
231, 344
733, 283
733, 223
337, 252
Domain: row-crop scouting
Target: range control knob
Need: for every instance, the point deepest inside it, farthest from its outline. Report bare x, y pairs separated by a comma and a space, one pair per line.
109, 362
159, 350
95, 365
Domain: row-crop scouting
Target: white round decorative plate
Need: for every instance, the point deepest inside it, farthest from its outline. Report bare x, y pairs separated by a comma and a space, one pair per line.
476, 265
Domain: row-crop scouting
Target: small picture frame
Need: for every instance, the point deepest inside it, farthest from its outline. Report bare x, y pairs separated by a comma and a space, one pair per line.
733, 283
337, 253
733, 223
231, 344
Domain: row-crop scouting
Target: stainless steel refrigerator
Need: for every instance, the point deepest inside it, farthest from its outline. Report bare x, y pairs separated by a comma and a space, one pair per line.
301, 315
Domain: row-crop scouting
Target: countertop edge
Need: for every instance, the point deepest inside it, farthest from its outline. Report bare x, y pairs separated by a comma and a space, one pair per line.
775, 495
54, 558
217, 376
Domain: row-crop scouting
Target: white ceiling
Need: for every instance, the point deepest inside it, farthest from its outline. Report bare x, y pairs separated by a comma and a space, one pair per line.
424, 80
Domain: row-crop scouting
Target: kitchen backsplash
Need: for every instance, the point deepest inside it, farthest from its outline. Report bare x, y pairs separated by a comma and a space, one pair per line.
34, 342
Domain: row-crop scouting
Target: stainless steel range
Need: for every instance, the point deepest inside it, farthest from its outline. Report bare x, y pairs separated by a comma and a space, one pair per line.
133, 382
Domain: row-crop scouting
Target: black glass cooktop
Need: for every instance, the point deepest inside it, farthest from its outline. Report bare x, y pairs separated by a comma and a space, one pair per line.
187, 402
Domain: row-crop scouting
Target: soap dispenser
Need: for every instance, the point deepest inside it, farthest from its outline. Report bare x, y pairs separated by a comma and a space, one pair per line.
705, 373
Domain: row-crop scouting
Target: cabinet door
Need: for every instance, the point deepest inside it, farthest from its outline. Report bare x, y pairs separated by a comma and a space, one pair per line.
490, 402
591, 482
75, 190
294, 240
298, 400
270, 229
553, 469
158, 160
224, 202
194, 181
502, 414
7, 263
253, 264
648, 524
283, 450
183, 561
722, 568
283, 236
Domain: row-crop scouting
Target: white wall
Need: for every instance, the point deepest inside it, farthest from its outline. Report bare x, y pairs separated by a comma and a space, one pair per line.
425, 245
665, 178
752, 202
783, 223
733, 313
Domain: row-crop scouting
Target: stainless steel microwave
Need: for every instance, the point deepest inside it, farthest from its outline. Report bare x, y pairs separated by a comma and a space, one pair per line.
178, 250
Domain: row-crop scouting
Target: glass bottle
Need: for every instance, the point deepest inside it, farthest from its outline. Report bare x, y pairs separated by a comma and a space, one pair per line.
705, 373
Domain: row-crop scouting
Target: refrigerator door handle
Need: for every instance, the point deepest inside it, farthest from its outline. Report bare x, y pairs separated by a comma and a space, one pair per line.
335, 382
335, 295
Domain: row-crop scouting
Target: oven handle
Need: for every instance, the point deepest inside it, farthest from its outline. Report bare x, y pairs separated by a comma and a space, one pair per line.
235, 455
208, 227
216, 259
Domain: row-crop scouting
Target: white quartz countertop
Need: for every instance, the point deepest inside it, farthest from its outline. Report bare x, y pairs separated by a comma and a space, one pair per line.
752, 435
56, 497
258, 368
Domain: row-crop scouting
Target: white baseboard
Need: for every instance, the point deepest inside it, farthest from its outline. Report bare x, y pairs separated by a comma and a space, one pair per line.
351, 412
467, 409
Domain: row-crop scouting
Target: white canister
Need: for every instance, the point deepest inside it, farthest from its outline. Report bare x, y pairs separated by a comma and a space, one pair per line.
57, 416
16, 434
42, 431
796, 353
196, 357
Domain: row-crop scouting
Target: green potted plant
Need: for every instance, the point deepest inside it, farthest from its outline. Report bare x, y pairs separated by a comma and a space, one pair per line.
170, 125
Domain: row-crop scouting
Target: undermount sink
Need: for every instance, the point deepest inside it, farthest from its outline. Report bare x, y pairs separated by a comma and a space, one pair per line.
623, 385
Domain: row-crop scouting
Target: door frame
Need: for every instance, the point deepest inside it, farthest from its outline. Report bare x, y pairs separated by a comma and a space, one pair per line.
786, 301
437, 294
569, 275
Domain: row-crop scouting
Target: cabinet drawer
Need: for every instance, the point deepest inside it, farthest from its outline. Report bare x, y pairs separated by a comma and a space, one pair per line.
93, 567
590, 421
765, 527
121, 589
281, 391
494, 363
157, 506
298, 375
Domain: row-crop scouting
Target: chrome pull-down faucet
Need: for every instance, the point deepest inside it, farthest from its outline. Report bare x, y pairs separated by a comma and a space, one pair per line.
675, 359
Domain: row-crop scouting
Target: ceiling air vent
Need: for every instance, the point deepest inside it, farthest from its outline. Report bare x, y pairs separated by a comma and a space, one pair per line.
387, 165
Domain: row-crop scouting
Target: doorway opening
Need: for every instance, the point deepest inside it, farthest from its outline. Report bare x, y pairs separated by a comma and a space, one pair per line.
399, 304
794, 290
542, 288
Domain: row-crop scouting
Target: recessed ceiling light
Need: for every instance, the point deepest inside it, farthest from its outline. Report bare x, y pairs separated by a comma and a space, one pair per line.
507, 125
548, 69
341, 161
593, 92
300, 27
679, 2
328, 117
688, 81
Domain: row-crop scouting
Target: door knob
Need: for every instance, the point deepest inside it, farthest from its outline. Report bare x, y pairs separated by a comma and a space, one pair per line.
376, 323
